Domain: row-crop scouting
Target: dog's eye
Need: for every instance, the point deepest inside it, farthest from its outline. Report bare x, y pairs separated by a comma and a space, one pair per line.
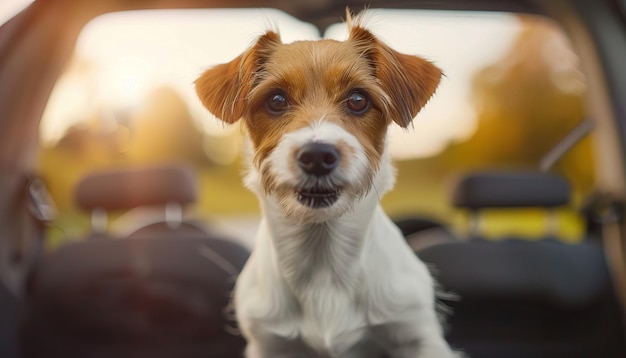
357, 102
277, 103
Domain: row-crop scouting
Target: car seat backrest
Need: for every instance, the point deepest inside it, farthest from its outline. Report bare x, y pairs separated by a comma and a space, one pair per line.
567, 276
156, 297
160, 291
522, 297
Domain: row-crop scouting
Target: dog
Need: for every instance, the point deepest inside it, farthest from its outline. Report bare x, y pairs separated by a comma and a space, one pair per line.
330, 275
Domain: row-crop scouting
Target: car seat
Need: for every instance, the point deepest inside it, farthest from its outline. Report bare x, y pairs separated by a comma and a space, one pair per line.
162, 294
523, 298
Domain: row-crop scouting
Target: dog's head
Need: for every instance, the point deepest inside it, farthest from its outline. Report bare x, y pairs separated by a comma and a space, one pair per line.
317, 114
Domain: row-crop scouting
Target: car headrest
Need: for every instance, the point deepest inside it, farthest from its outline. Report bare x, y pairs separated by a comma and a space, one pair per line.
510, 190
124, 189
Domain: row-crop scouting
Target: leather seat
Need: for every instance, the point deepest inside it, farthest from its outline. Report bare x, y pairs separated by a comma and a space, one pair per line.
519, 297
162, 291
148, 297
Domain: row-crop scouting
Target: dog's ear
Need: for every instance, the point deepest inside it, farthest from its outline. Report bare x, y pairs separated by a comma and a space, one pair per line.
224, 88
409, 81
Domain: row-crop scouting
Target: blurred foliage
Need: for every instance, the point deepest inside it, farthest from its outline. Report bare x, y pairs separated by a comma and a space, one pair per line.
526, 102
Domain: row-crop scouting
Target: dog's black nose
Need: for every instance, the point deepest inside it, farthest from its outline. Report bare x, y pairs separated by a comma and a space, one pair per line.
318, 158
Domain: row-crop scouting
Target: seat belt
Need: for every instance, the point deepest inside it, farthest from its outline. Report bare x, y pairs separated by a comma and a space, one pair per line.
606, 211
28, 209
40, 204
606, 214
609, 214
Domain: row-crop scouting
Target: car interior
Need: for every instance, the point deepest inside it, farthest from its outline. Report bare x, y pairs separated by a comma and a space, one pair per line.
124, 221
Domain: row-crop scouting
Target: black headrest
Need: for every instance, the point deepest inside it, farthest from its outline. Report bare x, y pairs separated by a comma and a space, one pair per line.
510, 189
124, 189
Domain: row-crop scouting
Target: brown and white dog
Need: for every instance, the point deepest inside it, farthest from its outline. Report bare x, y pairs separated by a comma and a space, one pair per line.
330, 275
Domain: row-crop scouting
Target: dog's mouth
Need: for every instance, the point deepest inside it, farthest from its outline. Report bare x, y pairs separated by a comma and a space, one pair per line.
316, 197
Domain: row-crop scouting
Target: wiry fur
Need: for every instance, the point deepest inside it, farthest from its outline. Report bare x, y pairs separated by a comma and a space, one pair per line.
337, 280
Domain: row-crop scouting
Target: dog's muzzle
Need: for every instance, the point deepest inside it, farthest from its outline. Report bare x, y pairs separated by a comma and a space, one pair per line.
318, 160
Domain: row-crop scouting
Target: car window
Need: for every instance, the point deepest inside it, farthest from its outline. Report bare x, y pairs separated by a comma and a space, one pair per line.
512, 90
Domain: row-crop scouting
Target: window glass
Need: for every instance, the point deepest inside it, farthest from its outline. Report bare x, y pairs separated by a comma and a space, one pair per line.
512, 90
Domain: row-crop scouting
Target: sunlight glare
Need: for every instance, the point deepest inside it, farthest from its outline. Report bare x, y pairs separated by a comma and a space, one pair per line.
134, 52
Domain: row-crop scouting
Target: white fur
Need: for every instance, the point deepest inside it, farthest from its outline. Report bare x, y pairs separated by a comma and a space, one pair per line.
338, 281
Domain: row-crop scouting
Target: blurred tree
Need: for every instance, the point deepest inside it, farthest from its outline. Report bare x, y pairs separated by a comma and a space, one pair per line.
159, 130
162, 129
84, 147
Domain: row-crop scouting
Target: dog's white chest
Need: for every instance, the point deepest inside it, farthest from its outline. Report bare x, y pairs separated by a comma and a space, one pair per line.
331, 321
302, 304
324, 313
